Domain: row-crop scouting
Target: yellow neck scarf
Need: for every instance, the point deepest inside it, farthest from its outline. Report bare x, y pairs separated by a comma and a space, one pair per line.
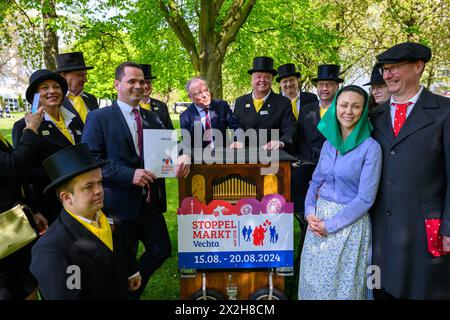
62, 127
79, 105
145, 106
322, 111
3, 139
101, 230
258, 103
294, 107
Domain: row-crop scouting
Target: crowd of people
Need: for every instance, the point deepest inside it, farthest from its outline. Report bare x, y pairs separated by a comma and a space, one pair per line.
371, 179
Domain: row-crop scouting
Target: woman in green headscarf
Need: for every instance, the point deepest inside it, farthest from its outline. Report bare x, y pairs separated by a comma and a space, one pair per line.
336, 250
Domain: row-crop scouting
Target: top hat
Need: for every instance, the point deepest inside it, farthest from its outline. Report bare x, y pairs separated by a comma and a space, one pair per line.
71, 61
147, 69
406, 51
375, 77
69, 163
328, 72
263, 64
287, 70
40, 76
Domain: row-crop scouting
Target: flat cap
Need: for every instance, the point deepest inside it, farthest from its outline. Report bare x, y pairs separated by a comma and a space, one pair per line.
406, 51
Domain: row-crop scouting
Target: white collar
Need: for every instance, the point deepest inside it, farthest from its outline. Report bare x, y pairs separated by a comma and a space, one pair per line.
265, 98
413, 100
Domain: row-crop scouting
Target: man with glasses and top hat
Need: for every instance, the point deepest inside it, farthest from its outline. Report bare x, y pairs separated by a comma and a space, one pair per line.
411, 215
72, 67
153, 104
83, 255
265, 109
379, 92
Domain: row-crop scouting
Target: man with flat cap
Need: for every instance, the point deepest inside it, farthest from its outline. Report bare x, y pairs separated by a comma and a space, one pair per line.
265, 109
379, 92
411, 215
152, 104
83, 255
72, 67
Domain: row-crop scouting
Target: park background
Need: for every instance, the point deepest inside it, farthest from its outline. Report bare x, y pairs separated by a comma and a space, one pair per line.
216, 39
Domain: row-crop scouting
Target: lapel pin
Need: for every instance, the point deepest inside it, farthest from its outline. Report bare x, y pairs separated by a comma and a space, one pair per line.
247, 105
45, 132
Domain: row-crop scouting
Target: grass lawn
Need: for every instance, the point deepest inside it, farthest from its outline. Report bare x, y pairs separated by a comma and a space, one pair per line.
164, 284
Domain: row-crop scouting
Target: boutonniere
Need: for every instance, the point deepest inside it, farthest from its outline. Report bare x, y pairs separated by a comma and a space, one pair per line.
45, 132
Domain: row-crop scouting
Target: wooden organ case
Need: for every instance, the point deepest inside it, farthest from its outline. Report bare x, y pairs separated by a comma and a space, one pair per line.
232, 182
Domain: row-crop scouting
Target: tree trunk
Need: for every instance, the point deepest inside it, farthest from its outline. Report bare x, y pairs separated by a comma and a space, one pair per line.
50, 48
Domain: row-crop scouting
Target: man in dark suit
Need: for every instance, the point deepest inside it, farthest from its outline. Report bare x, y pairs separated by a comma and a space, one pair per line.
264, 109
289, 78
72, 67
152, 104
83, 255
133, 194
411, 215
207, 113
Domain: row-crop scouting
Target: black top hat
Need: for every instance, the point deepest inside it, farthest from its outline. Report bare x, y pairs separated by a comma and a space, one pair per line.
406, 51
328, 72
69, 163
375, 77
147, 69
263, 64
287, 70
40, 76
71, 61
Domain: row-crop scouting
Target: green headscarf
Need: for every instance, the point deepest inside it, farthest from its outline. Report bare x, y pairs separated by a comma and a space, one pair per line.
330, 127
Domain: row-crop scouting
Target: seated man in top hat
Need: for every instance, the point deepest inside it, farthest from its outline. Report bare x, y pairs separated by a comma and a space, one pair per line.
379, 92
83, 255
265, 109
208, 114
72, 67
153, 104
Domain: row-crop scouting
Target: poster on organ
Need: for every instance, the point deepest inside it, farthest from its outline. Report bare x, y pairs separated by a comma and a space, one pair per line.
249, 234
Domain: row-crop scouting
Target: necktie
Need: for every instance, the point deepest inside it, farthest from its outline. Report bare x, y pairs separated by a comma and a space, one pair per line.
400, 116
145, 106
322, 111
79, 105
208, 133
258, 103
3, 139
294, 107
61, 125
140, 133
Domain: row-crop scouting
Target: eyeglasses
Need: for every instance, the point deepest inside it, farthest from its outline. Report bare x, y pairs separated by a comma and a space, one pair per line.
199, 93
393, 69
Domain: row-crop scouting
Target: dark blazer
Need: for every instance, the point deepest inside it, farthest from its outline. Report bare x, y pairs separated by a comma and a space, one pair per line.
414, 186
16, 282
308, 139
109, 138
53, 140
222, 118
163, 112
276, 113
104, 273
90, 101
307, 98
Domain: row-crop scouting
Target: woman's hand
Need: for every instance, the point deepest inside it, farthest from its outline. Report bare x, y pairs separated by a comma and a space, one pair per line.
41, 222
34, 120
316, 225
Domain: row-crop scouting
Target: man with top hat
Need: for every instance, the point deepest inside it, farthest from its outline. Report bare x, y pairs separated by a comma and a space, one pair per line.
265, 109
83, 255
72, 67
288, 78
411, 215
132, 193
153, 104
379, 92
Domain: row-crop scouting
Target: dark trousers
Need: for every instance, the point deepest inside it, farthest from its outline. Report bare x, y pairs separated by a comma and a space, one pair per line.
150, 228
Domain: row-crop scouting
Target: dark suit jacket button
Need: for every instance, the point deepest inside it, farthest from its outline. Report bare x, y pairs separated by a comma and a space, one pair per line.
390, 183
388, 213
392, 153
